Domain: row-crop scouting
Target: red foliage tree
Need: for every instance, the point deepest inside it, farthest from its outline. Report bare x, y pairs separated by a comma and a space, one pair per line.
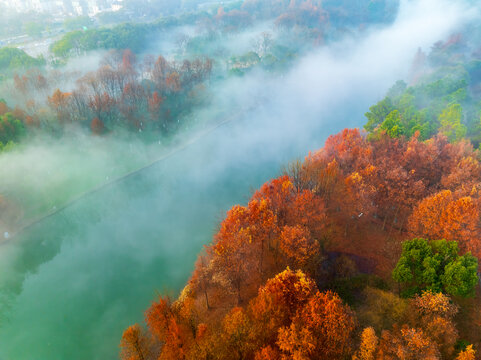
135, 344
442, 216
97, 126
298, 246
408, 344
349, 148
59, 102
240, 245
322, 329
277, 302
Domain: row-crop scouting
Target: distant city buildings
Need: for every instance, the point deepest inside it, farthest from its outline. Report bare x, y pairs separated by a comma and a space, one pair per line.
63, 7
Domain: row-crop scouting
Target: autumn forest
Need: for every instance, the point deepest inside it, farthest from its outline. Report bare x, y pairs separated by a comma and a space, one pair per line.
246, 180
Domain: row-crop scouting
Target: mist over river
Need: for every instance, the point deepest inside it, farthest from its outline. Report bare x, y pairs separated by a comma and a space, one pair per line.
72, 283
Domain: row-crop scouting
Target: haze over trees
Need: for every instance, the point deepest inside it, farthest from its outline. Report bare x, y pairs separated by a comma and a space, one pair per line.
325, 218
366, 249
380, 227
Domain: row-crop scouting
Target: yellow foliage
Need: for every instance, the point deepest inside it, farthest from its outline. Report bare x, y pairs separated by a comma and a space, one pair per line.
369, 342
468, 354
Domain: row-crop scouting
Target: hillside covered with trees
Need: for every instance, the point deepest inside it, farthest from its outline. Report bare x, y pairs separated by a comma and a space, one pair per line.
368, 248
132, 146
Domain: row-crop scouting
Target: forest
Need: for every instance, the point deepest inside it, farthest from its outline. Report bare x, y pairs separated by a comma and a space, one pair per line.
243, 180
125, 90
368, 248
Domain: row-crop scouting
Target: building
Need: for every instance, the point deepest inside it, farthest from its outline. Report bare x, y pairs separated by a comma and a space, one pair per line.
63, 7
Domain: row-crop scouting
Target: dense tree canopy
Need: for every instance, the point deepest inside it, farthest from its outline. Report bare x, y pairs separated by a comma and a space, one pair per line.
353, 197
367, 249
15, 59
436, 266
